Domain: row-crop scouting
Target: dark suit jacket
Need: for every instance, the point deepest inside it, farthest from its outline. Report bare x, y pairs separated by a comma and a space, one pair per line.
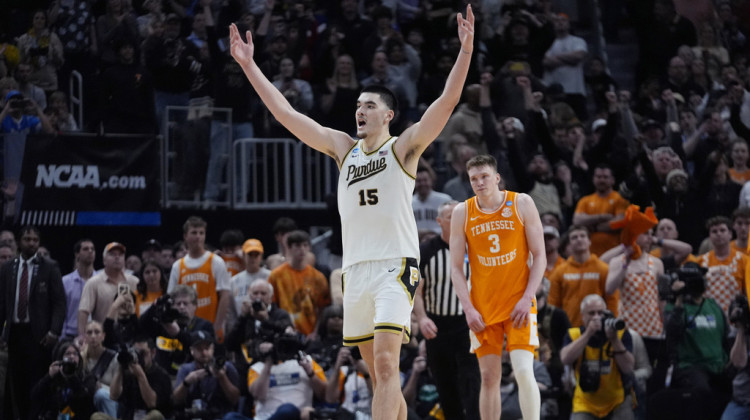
46, 297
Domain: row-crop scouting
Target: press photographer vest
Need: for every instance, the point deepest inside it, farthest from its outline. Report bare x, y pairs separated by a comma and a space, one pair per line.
611, 392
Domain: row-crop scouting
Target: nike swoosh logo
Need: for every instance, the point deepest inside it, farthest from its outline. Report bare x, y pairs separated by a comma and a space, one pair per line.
474, 218
391, 270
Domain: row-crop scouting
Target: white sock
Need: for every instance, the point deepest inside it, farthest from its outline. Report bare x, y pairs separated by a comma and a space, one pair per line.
528, 390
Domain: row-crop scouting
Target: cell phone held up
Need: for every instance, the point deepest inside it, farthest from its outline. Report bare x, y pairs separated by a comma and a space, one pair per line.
123, 289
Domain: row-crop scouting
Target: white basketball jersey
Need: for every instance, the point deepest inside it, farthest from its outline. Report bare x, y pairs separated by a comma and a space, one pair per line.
374, 198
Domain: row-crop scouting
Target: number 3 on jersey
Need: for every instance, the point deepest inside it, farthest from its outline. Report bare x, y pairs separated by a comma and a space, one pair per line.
369, 197
495, 238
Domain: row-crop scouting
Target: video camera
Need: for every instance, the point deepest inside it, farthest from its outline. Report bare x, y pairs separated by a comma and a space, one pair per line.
162, 311
285, 347
739, 313
691, 274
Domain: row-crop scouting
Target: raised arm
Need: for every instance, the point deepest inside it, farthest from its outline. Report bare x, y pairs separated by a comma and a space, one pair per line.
415, 139
325, 140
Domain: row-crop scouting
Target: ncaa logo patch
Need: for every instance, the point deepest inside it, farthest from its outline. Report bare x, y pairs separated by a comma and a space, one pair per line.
507, 212
508, 203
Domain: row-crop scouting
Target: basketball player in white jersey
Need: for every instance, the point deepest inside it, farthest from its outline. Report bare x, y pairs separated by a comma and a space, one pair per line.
380, 273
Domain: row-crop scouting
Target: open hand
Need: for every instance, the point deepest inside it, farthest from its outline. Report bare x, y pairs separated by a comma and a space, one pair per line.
466, 30
241, 51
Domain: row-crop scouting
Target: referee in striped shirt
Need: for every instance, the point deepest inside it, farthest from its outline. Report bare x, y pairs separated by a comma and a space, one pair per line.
441, 321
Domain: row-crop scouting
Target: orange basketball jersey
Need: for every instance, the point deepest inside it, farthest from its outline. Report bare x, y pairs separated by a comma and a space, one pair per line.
498, 257
202, 280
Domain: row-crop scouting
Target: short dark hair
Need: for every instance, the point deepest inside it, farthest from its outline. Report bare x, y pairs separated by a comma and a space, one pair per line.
284, 225
742, 211
193, 222
482, 160
142, 338
79, 244
231, 237
579, 227
386, 95
29, 228
297, 237
718, 220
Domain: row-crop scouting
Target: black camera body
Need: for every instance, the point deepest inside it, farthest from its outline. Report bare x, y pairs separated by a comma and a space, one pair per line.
691, 274
163, 311
609, 321
739, 312
68, 366
128, 356
259, 306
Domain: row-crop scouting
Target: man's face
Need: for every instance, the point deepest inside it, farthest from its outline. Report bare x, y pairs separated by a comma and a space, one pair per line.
666, 229
603, 180
199, 22
86, 254
195, 238
539, 166
688, 122
575, 134
23, 72
167, 258
739, 152
8, 238
252, 261
740, 226
579, 241
185, 306
677, 70
379, 62
444, 219
662, 163
551, 243
202, 352
371, 115
286, 68
561, 24
593, 311
299, 251
29, 244
5, 254
261, 292
114, 260
484, 180
423, 183
145, 353
719, 235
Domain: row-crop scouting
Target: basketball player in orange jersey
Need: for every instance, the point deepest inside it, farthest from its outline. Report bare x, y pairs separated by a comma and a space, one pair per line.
503, 235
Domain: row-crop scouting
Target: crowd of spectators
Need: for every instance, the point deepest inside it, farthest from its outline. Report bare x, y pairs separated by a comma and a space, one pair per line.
187, 332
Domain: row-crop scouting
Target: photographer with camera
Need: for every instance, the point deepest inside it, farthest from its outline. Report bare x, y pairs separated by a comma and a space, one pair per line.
23, 115
140, 385
350, 385
601, 354
739, 316
697, 334
65, 390
171, 320
258, 318
296, 378
207, 387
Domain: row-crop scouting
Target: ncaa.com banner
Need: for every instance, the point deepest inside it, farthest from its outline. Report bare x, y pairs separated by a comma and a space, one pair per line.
78, 179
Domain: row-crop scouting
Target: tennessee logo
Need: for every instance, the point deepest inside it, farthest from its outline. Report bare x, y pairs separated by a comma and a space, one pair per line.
507, 212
